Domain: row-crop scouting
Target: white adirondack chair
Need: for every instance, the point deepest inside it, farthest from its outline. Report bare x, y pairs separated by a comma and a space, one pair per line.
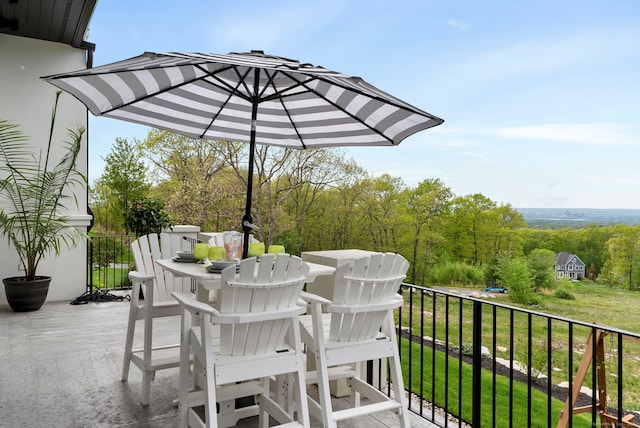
356, 326
157, 286
251, 335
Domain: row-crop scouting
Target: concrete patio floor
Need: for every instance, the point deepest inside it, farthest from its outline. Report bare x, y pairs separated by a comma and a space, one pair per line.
60, 366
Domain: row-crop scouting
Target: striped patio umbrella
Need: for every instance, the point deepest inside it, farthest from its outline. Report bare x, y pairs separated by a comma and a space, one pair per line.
247, 97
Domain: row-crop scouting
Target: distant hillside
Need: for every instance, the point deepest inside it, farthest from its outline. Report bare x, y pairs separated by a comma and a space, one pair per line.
577, 217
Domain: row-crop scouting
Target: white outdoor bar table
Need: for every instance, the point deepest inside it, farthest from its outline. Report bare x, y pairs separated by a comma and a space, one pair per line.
205, 281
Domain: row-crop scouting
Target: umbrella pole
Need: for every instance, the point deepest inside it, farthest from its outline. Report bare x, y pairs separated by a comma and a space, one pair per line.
247, 219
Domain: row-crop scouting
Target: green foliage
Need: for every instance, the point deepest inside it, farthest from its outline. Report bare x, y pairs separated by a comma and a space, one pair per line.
563, 293
542, 265
34, 194
147, 216
467, 349
456, 273
123, 181
478, 229
538, 356
426, 207
516, 275
624, 251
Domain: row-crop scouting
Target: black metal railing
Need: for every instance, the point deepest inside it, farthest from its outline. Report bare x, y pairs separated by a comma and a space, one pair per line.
473, 362
109, 261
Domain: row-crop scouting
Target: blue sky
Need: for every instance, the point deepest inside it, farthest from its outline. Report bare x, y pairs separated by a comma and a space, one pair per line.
541, 98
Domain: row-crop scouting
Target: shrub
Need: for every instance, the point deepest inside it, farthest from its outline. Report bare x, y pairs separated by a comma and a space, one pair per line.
147, 216
563, 293
467, 349
450, 273
541, 262
517, 277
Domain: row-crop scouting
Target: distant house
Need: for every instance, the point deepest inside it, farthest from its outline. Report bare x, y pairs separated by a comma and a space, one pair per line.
569, 266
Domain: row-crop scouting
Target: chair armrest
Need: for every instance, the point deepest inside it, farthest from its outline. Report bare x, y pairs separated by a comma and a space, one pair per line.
134, 275
375, 280
314, 298
189, 302
352, 309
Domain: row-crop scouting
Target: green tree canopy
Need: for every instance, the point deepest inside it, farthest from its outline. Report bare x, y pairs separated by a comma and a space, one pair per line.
542, 265
123, 181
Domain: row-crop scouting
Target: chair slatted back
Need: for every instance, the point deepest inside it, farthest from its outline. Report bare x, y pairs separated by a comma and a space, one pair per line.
155, 246
271, 289
364, 292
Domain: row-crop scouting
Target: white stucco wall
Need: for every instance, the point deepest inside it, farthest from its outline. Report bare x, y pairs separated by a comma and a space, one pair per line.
28, 101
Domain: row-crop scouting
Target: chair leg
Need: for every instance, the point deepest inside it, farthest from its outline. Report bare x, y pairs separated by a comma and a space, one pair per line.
299, 385
128, 344
208, 369
321, 368
263, 415
183, 380
131, 327
147, 376
396, 377
355, 395
398, 391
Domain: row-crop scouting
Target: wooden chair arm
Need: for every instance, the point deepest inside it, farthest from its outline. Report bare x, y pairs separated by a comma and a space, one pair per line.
134, 276
374, 280
189, 302
352, 309
314, 298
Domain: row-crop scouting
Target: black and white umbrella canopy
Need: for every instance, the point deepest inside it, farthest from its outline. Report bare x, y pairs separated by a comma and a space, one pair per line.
247, 97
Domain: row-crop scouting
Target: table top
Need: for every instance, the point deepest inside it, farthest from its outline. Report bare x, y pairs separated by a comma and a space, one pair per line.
199, 273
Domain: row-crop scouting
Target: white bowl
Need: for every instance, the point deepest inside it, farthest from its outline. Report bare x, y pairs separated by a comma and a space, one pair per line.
222, 265
186, 255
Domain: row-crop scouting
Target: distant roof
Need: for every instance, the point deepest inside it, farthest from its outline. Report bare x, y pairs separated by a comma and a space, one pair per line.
563, 257
63, 21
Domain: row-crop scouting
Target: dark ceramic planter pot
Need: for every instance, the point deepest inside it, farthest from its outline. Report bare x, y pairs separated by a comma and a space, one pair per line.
26, 296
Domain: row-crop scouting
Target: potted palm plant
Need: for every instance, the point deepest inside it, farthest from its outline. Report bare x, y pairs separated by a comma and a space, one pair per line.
34, 193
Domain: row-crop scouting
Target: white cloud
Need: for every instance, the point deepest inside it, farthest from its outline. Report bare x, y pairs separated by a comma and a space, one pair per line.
270, 25
592, 134
596, 134
536, 59
478, 157
458, 25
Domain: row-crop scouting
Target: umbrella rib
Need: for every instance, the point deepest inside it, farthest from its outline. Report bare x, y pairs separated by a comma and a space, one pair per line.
284, 107
153, 94
357, 119
221, 84
230, 89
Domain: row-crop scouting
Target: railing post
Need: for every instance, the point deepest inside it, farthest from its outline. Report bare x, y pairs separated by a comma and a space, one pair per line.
90, 265
476, 393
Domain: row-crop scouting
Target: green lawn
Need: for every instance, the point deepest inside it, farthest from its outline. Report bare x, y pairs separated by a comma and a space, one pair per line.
447, 391
111, 278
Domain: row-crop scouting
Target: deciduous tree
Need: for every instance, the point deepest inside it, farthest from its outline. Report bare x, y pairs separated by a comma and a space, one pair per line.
123, 180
